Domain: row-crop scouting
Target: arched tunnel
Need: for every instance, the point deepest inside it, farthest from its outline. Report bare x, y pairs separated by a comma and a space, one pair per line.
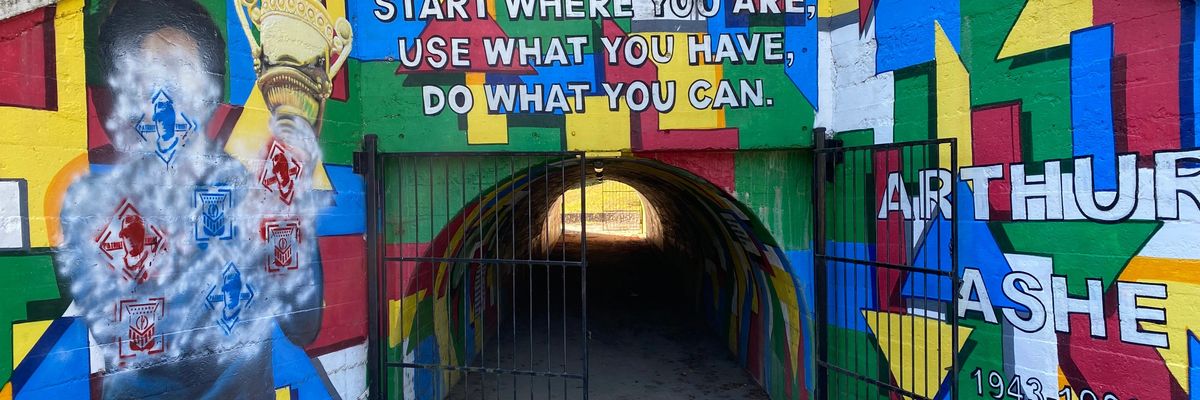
705, 304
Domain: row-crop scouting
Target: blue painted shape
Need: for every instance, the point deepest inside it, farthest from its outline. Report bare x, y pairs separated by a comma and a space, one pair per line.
100, 169
345, 216
241, 62
558, 74
850, 287
427, 383
801, 262
1091, 102
292, 368
906, 34
1193, 366
800, 266
1189, 69
57, 366
725, 23
374, 39
978, 250
801, 42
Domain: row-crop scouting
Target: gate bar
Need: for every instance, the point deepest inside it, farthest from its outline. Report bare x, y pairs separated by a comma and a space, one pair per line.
818, 181
364, 163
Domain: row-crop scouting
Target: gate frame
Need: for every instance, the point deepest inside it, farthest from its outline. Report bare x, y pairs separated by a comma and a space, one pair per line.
825, 156
366, 163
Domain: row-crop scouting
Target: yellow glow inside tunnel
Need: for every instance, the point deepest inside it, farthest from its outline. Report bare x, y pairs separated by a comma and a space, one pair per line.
612, 208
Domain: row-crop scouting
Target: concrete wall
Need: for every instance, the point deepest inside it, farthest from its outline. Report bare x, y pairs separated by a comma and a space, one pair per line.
178, 215
167, 230
1076, 128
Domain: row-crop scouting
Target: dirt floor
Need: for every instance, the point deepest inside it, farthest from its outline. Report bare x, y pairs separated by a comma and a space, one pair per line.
646, 342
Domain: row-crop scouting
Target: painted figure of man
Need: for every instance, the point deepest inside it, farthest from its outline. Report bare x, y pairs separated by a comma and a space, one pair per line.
160, 335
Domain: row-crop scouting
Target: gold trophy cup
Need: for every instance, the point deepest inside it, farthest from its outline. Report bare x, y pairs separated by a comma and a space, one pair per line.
296, 40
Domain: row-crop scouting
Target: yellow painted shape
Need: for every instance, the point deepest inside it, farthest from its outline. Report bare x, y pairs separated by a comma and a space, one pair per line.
1183, 285
598, 129
36, 144
57, 190
1044, 24
336, 8
683, 116
953, 100
912, 343
24, 336
830, 8
400, 321
283, 393
483, 127
251, 135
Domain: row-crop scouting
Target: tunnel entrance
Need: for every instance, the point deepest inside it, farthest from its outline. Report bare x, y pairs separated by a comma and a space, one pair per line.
494, 282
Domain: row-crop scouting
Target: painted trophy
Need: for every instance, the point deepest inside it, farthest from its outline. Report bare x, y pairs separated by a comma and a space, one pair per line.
292, 56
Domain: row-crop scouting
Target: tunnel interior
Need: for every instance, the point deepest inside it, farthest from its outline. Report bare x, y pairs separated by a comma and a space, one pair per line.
702, 303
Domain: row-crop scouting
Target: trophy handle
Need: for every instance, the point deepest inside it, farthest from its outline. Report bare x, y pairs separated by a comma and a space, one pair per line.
243, 7
344, 39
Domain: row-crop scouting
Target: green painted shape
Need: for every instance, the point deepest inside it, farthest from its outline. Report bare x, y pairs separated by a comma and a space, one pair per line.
392, 109
778, 355
26, 279
777, 182
985, 350
1080, 249
341, 130
1040, 80
787, 122
857, 137
850, 198
216, 9
916, 114
855, 351
423, 193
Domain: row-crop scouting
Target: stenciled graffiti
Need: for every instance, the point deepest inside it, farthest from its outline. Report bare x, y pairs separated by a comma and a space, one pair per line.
229, 296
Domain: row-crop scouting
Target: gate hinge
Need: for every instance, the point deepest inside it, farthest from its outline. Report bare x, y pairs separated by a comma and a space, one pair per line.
360, 162
833, 158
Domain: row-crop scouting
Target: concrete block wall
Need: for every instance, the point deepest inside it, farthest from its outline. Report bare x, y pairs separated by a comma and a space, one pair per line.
169, 230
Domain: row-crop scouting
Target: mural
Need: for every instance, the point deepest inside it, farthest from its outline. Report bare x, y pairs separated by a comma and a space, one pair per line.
1077, 198
178, 215
166, 235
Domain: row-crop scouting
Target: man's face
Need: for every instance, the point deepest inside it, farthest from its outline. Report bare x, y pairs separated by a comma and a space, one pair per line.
133, 235
164, 123
232, 289
282, 169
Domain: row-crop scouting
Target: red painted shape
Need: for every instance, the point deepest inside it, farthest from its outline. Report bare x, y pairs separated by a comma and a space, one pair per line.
996, 139
341, 84
754, 348
1108, 365
864, 11
344, 281
476, 31
690, 139
645, 134
27, 74
406, 271
715, 167
221, 124
97, 136
891, 245
1145, 77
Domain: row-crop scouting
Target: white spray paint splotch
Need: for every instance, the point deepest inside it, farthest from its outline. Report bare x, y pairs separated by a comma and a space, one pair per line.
186, 271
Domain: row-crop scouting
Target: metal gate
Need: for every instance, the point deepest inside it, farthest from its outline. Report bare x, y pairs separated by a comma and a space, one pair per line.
886, 269
476, 290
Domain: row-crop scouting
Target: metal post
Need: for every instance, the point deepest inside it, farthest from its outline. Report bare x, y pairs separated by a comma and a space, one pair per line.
818, 209
954, 278
364, 163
